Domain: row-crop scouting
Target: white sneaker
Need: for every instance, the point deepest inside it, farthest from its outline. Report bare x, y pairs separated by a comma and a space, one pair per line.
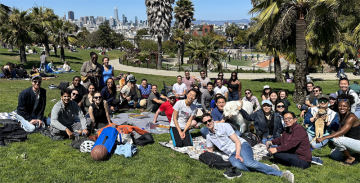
274, 166
288, 175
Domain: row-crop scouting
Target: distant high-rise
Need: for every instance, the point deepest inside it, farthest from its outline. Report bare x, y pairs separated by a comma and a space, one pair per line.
123, 17
86, 19
116, 16
71, 15
136, 21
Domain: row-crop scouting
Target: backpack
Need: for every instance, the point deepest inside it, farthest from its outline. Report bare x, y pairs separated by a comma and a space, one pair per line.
251, 138
63, 85
144, 139
214, 161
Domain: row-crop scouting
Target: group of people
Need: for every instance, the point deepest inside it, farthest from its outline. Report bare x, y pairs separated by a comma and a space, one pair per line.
89, 102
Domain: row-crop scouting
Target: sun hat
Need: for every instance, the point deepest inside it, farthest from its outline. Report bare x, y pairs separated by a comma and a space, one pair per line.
266, 102
266, 87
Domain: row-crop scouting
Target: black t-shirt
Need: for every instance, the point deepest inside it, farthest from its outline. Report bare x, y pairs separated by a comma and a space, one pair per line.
270, 124
21, 73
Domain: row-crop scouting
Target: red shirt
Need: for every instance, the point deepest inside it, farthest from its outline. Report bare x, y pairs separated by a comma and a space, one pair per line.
168, 108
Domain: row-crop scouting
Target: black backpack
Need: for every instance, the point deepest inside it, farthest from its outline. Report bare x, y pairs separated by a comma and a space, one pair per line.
251, 138
214, 161
63, 85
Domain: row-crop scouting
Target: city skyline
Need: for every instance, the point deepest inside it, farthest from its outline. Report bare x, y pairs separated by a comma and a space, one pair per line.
204, 9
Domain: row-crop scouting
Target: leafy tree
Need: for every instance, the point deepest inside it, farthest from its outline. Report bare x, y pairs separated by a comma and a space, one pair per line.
179, 39
232, 31
18, 30
148, 45
62, 35
169, 46
127, 44
116, 39
43, 17
241, 38
159, 15
104, 35
142, 32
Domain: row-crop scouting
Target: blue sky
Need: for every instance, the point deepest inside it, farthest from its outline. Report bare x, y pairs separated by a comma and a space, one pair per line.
204, 9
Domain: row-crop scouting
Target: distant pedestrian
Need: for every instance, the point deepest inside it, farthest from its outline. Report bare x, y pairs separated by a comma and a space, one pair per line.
257, 56
246, 57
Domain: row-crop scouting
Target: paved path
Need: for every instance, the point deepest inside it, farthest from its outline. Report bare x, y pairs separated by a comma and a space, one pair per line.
117, 66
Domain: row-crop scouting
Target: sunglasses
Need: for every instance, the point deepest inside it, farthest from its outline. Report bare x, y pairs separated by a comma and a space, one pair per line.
202, 73
332, 98
345, 100
221, 75
247, 93
97, 98
208, 121
37, 82
280, 106
323, 100
172, 98
75, 94
316, 90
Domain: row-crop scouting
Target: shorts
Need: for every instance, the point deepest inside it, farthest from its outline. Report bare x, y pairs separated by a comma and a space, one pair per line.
177, 141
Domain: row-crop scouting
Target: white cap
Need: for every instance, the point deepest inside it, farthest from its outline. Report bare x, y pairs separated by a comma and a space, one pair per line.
219, 92
266, 87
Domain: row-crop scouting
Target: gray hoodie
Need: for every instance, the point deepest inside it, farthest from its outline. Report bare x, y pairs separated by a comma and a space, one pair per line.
62, 117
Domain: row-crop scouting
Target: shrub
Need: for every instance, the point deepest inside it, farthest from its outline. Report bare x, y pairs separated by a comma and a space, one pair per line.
172, 55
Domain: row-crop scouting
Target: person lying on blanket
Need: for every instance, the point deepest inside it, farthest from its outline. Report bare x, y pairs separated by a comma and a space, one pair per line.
182, 119
31, 106
240, 152
64, 115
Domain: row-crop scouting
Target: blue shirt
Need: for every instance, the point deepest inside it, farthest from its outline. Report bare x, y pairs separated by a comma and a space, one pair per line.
106, 75
212, 104
145, 92
216, 114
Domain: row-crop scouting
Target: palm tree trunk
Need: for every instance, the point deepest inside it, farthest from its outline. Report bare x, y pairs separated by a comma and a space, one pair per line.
46, 43
206, 65
22, 54
278, 73
301, 61
11, 48
179, 54
159, 63
182, 52
62, 53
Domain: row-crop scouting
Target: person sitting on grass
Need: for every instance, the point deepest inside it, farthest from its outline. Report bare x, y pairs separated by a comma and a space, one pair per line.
345, 89
31, 106
88, 99
109, 94
213, 103
347, 139
99, 112
293, 147
21, 73
240, 152
75, 96
333, 102
35, 71
167, 107
64, 115
283, 95
311, 102
273, 99
145, 91
207, 97
251, 98
267, 124
265, 95
79, 87
154, 100
179, 88
331, 124
66, 67
182, 119
224, 90
129, 93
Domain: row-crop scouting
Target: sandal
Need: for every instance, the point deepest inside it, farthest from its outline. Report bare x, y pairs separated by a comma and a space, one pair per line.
347, 163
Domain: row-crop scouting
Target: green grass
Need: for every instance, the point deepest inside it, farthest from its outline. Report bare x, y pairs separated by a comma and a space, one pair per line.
56, 161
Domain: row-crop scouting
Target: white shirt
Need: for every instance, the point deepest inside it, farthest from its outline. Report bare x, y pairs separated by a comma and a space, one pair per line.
184, 113
179, 89
223, 89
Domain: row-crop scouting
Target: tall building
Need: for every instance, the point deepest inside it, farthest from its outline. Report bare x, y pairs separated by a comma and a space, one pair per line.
123, 17
71, 15
116, 16
86, 19
92, 20
136, 21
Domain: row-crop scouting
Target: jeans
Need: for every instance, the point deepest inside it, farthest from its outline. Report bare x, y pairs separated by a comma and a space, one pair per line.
264, 140
341, 71
303, 107
249, 163
357, 112
315, 145
289, 159
233, 96
41, 66
342, 144
26, 125
205, 130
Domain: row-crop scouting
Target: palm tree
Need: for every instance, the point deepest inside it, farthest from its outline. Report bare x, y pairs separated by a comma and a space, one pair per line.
43, 17
18, 30
62, 35
159, 15
232, 31
179, 39
4, 13
184, 14
206, 50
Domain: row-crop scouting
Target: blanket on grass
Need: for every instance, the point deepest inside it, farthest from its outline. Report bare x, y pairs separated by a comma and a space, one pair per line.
199, 146
59, 71
146, 123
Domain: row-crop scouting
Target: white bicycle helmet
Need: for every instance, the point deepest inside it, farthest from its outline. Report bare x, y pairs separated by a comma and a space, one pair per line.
86, 146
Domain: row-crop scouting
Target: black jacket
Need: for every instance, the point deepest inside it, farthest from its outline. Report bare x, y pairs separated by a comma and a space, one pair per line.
26, 104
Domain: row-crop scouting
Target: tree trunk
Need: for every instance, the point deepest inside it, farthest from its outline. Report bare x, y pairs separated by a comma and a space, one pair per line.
270, 65
179, 54
278, 73
22, 54
159, 61
301, 61
232, 42
206, 66
11, 48
46, 43
182, 52
62, 53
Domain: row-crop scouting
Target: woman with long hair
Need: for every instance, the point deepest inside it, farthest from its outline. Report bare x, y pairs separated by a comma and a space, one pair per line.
88, 99
251, 98
99, 112
234, 86
109, 94
265, 95
107, 71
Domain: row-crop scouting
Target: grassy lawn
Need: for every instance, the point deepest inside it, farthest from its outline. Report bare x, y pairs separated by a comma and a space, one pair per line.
56, 161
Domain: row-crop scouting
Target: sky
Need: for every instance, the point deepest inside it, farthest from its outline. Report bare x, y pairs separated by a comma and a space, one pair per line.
204, 9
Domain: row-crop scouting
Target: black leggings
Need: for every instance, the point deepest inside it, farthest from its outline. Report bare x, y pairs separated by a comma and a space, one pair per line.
288, 159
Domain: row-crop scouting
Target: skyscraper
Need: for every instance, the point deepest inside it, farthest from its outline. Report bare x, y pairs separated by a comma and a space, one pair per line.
71, 15
116, 16
136, 21
123, 21
86, 19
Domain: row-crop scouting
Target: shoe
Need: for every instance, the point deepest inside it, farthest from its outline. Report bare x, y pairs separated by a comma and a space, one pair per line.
274, 166
316, 161
288, 175
353, 163
232, 173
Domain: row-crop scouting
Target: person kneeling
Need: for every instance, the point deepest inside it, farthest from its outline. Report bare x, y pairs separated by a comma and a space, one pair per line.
64, 115
293, 146
240, 152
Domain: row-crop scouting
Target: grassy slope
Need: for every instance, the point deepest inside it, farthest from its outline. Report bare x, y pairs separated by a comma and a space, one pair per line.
56, 161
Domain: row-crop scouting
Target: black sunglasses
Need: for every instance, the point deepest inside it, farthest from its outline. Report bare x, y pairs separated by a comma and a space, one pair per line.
75, 94
172, 98
247, 93
97, 97
323, 100
280, 106
208, 121
316, 90
202, 73
37, 82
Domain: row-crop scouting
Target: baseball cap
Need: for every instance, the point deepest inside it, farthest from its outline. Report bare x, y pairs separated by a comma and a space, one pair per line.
218, 92
36, 76
131, 78
266, 87
333, 95
266, 102
323, 96
170, 94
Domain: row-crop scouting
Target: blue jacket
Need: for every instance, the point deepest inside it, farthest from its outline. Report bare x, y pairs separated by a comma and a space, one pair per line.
26, 104
260, 123
333, 118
